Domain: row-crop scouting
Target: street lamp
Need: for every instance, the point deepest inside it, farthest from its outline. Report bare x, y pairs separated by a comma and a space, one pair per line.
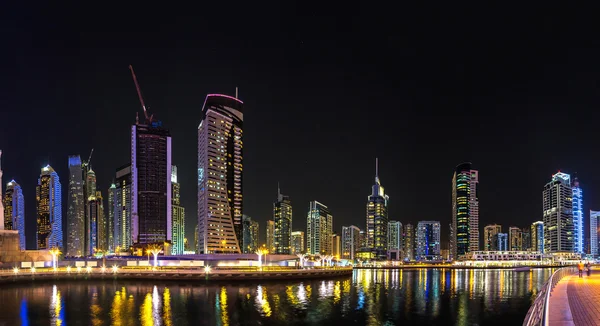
54, 252
16, 270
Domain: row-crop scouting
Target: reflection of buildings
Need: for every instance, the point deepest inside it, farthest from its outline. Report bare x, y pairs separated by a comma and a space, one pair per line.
558, 214
465, 210
578, 238
49, 210
594, 216
537, 236
282, 216
377, 218
428, 240
319, 224
488, 234
350, 241
298, 242
14, 211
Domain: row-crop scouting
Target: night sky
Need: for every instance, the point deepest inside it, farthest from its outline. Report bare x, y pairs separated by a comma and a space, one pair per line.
326, 90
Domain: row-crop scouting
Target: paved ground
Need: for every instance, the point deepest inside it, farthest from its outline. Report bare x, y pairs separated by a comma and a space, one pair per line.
576, 301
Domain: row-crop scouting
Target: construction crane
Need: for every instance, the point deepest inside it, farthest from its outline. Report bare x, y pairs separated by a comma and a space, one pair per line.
137, 87
87, 163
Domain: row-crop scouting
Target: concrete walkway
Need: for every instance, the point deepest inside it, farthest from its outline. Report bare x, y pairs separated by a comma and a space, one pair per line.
576, 301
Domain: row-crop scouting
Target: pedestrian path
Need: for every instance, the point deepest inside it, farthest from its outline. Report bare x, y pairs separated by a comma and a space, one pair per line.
576, 301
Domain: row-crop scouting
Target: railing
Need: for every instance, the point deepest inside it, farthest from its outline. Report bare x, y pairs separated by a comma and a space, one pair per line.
538, 312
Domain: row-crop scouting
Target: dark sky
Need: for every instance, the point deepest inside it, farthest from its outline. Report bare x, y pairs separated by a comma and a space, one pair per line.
327, 88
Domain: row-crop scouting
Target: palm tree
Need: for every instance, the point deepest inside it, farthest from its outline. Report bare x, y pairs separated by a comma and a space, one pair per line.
55, 252
154, 249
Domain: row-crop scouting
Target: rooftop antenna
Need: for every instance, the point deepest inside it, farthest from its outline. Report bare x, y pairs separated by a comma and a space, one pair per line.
137, 87
236, 92
377, 170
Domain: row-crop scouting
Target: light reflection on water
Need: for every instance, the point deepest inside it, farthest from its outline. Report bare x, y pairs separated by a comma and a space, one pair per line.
371, 297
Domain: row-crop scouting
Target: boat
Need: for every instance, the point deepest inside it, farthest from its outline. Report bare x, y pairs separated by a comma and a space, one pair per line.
522, 269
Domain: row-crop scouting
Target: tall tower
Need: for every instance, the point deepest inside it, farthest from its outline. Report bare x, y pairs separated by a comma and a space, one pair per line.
178, 215
319, 228
578, 239
49, 210
220, 182
75, 209
488, 235
123, 208
14, 211
537, 236
110, 222
394, 235
270, 233
377, 218
594, 215
350, 241
558, 214
409, 242
428, 240
282, 215
465, 210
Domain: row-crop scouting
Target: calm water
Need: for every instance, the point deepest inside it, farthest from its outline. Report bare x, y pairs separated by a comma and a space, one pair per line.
369, 297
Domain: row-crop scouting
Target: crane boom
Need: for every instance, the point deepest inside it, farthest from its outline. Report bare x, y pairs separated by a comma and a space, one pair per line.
137, 87
90, 157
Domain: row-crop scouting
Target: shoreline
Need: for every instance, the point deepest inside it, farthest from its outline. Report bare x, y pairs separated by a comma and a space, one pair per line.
458, 267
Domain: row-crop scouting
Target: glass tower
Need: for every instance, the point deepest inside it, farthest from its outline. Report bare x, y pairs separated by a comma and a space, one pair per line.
578, 238
270, 236
123, 209
394, 235
465, 210
112, 190
282, 215
409, 242
488, 234
537, 236
377, 218
75, 209
249, 245
178, 215
49, 233
220, 182
594, 215
350, 241
319, 223
428, 240
14, 211
558, 214
298, 242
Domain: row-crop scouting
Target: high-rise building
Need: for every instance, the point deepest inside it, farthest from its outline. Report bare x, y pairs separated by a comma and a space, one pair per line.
249, 234
526, 238
428, 240
282, 215
93, 225
394, 235
362, 239
515, 238
336, 245
578, 238
298, 242
377, 218
254, 230
49, 233
500, 242
594, 216
558, 214
14, 210
178, 215
350, 241
488, 234
110, 221
270, 236
409, 242
151, 218
102, 225
220, 165
75, 209
465, 210
451, 240
319, 227
123, 209
537, 236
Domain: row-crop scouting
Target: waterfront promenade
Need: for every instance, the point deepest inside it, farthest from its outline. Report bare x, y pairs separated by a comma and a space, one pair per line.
576, 301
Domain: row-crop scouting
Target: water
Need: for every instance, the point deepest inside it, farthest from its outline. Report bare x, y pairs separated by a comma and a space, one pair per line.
369, 297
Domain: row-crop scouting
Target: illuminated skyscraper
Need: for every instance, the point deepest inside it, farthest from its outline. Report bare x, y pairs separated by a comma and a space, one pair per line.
526, 238
515, 239
282, 215
409, 242
178, 216
428, 240
254, 230
394, 236
578, 238
247, 241
319, 227
220, 165
537, 236
350, 241
93, 225
270, 229
500, 242
49, 233
488, 235
336, 245
377, 218
594, 216
558, 214
123, 208
298, 242
14, 211
465, 210
151, 183
110, 208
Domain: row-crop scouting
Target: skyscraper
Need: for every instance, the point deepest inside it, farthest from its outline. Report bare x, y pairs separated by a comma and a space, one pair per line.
336, 245
319, 227
14, 211
594, 216
178, 215
49, 233
409, 242
350, 241
377, 218
151, 183
578, 238
465, 210
123, 209
394, 235
488, 234
282, 215
110, 208
428, 240
102, 225
537, 236
250, 244
254, 230
270, 229
220, 165
526, 238
93, 225
515, 238
500, 242
298, 242
558, 214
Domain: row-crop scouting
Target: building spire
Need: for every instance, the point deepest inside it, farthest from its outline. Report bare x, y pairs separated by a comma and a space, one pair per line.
377, 170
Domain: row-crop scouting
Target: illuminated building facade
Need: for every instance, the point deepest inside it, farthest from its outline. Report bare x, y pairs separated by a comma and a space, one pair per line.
75, 209
465, 210
336, 245
151, 184
282, 215
558, 214
94, 225
377, 218
537, 236
319, 228
515, 239
110, 208
526, 238
123, 209
409, 242
298, 242
394, 235
270, 228
14, 210
428, 241
250, 235
578, 238
220, 165
594, 216
488, 234
49, 232
500, 242
178, 216
350, 241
